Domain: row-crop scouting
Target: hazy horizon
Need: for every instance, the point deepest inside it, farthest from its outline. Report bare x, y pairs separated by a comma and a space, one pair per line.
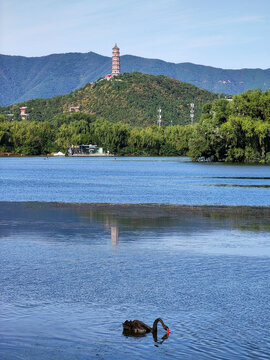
185, 62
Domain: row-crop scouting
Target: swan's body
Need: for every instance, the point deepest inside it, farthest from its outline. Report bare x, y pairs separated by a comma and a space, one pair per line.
138, 327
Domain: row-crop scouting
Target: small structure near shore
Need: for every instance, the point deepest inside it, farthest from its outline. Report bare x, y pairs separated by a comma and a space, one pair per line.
85, 150
59, 154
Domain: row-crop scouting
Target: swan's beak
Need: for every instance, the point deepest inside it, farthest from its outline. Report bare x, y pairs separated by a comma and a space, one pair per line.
168, 331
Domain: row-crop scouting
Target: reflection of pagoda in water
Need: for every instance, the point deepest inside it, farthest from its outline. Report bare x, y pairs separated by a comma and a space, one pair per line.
109, 222
114, 235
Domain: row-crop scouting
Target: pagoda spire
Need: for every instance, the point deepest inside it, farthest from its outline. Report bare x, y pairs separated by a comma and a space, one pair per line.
115, 60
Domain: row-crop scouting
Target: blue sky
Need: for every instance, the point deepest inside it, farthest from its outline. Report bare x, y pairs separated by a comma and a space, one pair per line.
228, 34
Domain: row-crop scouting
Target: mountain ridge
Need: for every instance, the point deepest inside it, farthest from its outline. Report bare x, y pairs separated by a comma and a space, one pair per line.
24, 78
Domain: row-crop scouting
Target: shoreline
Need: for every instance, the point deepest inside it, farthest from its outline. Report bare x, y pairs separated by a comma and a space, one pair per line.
153, 209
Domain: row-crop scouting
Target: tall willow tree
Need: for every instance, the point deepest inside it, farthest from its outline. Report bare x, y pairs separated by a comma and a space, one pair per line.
236, 131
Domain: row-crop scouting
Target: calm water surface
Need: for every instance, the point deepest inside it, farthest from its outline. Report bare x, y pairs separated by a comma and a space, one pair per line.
71, 275
133, 180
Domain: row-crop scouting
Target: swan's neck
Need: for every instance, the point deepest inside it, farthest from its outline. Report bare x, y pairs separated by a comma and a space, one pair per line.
154, 329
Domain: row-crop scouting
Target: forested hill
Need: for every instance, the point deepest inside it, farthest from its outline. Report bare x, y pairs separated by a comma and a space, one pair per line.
23, 78
131, 98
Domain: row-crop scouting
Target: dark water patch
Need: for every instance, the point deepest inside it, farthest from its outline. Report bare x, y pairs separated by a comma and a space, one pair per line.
256, 226
241, 185
149, 210
238, 177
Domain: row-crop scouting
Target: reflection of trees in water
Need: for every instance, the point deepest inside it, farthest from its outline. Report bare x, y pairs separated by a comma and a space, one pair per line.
186, 220
151, 219
135, 219
66, 221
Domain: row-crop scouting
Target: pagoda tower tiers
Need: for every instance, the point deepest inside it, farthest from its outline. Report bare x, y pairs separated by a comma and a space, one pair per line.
115, 61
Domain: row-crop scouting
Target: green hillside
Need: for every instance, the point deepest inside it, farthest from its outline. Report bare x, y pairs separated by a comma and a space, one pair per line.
131, 98
231, 131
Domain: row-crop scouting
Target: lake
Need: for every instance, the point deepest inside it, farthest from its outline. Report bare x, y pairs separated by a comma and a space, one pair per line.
133, 180
70, 273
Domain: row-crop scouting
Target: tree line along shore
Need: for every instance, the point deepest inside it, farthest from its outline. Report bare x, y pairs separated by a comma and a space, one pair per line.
230, 131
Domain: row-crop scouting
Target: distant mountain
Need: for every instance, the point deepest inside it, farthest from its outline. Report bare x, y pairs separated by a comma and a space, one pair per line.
23, 78
131, 98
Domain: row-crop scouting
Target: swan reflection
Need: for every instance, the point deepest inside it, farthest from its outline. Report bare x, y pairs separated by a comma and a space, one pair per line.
155, 337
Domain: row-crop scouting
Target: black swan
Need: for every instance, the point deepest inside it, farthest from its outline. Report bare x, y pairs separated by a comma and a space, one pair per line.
137, 327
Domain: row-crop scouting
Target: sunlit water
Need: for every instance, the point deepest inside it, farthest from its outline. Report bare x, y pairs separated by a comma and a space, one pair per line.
70, 276
133, 180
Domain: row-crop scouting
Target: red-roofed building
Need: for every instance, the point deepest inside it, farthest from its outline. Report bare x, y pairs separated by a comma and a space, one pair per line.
23, 114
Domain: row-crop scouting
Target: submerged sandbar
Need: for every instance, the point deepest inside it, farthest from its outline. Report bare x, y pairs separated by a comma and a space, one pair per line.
151, 210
